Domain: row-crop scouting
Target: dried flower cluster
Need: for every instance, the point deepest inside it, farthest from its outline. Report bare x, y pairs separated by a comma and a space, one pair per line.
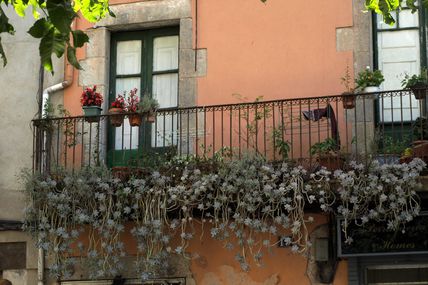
132, 101
245, 204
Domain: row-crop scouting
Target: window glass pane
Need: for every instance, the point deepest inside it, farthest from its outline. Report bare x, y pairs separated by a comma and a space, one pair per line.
407, 19
381, 24
128, 57
165, 53
130, 135
165, 89
127, 84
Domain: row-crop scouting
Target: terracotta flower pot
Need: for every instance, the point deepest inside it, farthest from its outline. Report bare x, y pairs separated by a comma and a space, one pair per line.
135, 120
116, 120
331, 162
419, 90
150, 117
348, 100
420, 149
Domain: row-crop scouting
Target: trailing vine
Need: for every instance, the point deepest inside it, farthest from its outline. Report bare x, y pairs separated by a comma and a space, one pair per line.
246, 204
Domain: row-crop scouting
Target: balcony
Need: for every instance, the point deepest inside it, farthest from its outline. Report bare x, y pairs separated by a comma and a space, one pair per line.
320, 131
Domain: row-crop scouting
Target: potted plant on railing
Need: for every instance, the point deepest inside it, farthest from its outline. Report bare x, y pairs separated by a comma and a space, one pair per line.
348, 97
132, 103
116, 111
148, 106
417, 83
91, 102
368, 81
327, 154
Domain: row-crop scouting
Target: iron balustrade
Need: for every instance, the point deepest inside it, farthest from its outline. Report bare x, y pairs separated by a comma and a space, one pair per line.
360, 127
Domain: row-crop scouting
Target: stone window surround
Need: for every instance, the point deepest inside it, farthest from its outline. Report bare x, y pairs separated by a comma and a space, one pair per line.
139, 16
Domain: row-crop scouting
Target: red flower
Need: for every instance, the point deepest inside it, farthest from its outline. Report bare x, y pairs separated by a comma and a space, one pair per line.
119, 102
90, 97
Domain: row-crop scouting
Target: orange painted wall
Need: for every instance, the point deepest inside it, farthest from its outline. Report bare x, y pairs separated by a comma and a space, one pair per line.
209, 257
276, 50
291, 268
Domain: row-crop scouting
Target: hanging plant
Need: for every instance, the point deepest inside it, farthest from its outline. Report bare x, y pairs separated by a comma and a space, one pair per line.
245, 204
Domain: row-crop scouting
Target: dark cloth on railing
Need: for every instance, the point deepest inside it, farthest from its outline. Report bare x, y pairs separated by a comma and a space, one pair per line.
327, 112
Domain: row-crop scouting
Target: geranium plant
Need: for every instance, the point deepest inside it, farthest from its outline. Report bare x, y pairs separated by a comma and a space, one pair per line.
90, 97
117, 108
119, 102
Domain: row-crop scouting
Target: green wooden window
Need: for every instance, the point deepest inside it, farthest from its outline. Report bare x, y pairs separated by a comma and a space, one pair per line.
146, 60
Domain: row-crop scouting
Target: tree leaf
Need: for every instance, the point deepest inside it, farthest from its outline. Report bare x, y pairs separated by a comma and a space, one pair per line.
52, 42
71, 57
40, 28
79, 38
19, 7
61, 14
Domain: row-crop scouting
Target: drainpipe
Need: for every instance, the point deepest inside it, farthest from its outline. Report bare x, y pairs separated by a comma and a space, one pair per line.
68, 80
41, 267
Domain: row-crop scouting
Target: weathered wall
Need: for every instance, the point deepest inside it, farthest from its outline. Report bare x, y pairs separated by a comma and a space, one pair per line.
210, 263
19, 86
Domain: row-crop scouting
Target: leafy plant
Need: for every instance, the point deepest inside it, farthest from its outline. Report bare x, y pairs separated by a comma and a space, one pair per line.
395, 146
148, 104
415, 80
327, 146
368, 78
420, 129
55, 29
282, 146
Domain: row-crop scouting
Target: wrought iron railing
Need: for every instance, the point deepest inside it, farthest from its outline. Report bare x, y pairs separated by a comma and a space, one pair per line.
382, 125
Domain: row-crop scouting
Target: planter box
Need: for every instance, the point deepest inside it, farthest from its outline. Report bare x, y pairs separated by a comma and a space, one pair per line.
92, 111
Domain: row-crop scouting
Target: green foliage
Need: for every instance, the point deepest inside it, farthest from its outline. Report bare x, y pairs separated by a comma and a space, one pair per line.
395, 146
147, 104
368, 78
327, 146
420, 129
414, 80
386, 7
55, 29
282, 146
